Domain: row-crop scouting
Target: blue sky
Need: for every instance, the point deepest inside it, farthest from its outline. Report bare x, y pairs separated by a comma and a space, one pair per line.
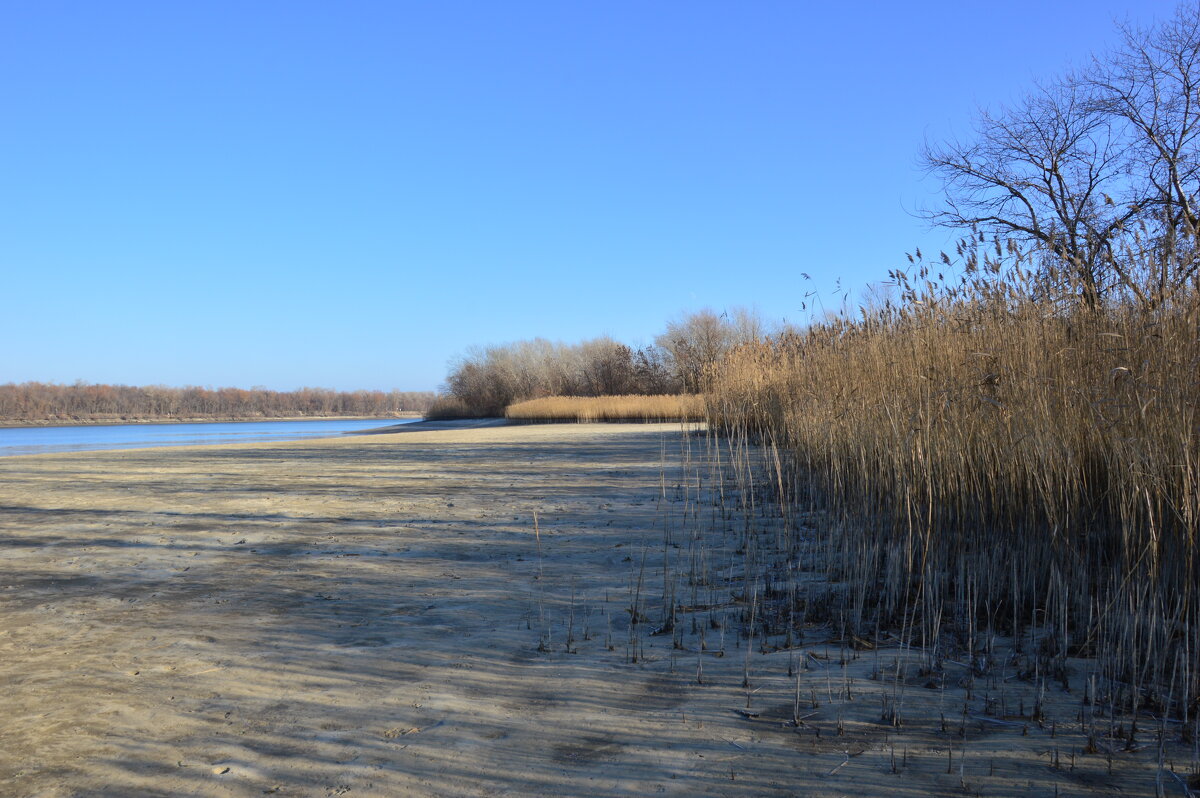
348, 195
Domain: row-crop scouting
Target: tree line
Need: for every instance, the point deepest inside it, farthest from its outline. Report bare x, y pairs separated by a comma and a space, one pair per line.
488, 379
38, 401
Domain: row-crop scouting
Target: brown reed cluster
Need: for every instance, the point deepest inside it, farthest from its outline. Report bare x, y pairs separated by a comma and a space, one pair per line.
637, 407
995, 458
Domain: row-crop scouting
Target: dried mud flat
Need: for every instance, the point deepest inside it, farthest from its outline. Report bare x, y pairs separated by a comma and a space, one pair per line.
380, 615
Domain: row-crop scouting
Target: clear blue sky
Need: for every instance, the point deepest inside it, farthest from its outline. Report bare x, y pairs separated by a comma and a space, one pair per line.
347, 195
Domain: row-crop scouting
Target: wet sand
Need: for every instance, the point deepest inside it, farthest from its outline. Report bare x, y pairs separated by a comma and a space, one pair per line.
380, 615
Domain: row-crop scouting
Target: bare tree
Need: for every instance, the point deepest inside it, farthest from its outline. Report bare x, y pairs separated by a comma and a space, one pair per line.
694, 344
1040, 171
1151, 85
606, 368
747, 326
1098, 169
652, 373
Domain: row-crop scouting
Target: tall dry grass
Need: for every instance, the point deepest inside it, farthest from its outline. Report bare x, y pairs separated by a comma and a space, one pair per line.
681, 407
446, 407
990, 462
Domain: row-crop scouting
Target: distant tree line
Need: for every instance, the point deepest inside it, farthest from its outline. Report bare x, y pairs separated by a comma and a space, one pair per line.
488, 379
38, 401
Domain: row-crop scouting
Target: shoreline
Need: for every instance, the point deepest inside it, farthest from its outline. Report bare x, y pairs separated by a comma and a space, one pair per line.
433, 425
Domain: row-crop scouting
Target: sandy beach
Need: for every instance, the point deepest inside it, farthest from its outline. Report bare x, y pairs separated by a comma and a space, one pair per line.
381, 615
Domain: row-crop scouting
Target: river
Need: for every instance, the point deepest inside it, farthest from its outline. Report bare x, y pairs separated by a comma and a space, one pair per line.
44, 440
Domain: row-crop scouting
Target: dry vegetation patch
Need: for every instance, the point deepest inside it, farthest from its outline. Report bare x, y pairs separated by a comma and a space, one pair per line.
678, 407
995, 468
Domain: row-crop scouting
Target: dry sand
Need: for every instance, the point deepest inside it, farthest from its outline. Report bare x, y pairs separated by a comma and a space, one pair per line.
376, 616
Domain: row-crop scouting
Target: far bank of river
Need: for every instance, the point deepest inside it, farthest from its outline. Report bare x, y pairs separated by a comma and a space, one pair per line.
92, 437
115, 421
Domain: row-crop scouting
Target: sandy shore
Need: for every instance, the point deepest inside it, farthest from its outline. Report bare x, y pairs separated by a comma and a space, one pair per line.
376, 615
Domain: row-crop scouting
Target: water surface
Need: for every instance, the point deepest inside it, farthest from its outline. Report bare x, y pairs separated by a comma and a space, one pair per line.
44, 440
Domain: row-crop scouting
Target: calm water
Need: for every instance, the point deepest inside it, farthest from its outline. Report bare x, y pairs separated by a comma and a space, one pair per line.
42, 440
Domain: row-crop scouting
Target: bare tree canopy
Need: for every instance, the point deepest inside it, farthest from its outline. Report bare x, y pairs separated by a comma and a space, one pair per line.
1099, 169
487, 379
696, 343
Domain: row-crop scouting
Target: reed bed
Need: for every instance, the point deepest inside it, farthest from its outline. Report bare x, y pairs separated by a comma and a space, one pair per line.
988, 463
636, 407
446, 407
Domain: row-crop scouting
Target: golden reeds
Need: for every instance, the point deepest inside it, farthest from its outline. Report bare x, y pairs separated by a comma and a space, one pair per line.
446, 407
683, 407
992, 464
